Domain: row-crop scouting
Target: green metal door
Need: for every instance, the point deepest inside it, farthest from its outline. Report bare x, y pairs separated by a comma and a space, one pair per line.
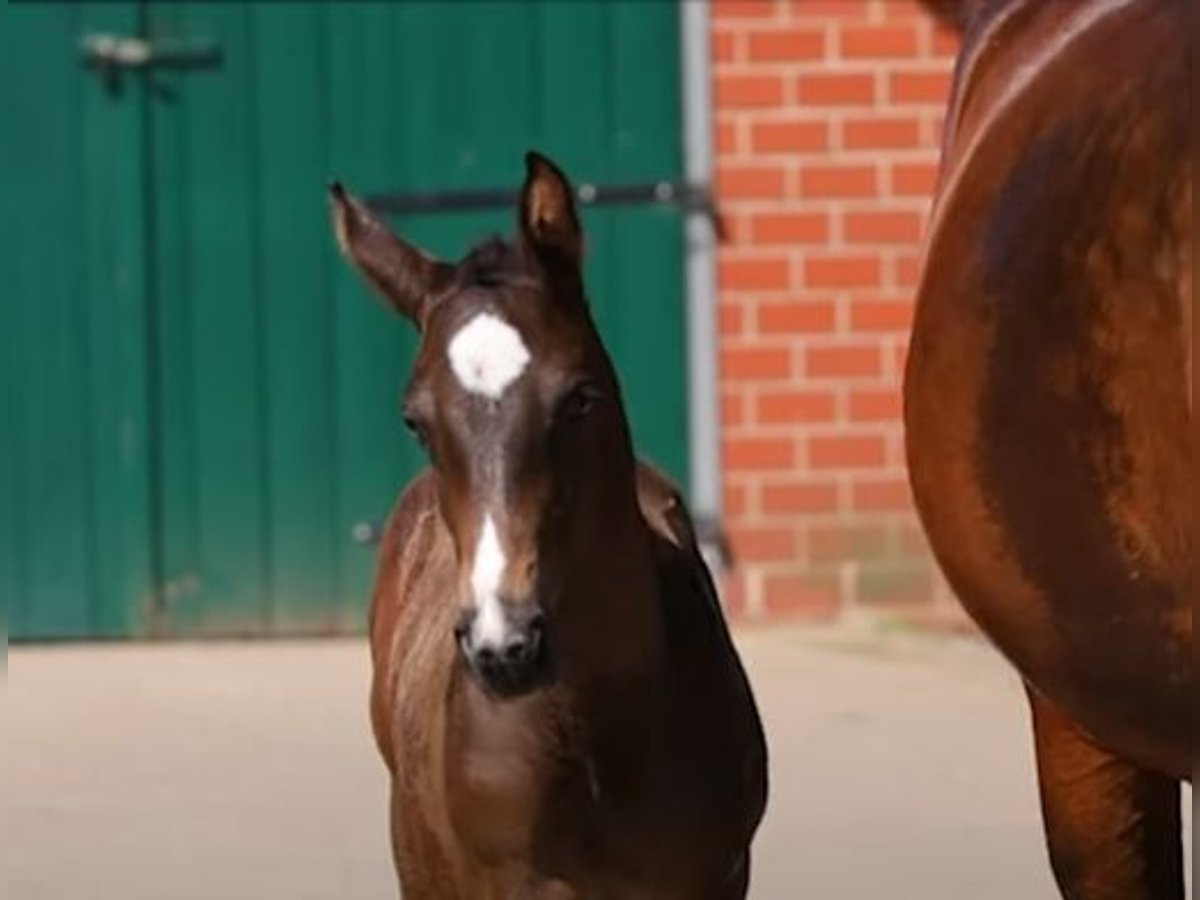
75, 533
265, 378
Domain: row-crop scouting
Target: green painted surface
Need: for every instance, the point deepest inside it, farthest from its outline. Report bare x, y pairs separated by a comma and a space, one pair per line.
75, 539
178, 288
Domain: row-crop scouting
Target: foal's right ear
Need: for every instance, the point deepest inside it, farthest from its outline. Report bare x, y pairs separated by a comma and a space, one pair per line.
400, 273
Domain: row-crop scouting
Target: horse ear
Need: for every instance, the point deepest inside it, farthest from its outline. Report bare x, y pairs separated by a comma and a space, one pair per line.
400, 273
549, 224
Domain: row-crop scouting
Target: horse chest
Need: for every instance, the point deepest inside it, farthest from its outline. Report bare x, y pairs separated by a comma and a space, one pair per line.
496, 782
523, 798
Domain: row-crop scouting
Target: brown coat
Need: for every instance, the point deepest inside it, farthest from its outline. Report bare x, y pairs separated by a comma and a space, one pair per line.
1048, 407
651, 789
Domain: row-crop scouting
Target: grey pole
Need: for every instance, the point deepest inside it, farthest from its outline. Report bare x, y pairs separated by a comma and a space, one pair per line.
704, 436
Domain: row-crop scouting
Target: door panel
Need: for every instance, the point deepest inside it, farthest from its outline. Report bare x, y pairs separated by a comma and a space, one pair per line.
75, 548
305, 546
212, 328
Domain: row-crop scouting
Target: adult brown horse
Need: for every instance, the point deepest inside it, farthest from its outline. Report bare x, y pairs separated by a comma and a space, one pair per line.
555, 691
1048, 408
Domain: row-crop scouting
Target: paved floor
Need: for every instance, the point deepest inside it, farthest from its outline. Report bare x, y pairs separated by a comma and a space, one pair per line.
901, 769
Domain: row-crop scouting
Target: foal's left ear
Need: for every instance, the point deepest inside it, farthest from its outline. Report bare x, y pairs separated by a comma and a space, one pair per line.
549, 223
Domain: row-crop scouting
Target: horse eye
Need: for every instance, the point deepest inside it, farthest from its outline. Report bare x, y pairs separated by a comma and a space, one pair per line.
417, 428
580, 401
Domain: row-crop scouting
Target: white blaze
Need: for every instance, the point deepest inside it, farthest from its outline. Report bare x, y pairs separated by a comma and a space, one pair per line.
490, 626
487, 355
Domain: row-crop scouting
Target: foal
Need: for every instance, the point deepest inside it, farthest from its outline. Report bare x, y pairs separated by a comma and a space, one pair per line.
555, 692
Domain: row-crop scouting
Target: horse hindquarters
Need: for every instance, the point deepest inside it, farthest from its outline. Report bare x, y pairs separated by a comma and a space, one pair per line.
1112, 829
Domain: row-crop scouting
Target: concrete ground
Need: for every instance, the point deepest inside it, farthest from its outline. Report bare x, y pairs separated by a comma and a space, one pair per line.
901, 769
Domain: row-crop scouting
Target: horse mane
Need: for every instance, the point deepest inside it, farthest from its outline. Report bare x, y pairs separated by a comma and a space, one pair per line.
491, 263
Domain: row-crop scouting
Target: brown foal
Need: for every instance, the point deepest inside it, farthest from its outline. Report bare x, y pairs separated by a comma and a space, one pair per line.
555, 691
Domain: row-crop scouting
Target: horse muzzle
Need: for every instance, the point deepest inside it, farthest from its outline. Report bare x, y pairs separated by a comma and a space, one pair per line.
506, 651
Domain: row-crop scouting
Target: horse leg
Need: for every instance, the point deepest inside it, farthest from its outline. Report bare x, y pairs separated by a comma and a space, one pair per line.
1112, 829
422, 870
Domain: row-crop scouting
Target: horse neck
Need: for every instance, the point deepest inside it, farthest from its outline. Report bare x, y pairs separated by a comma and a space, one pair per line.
610, 629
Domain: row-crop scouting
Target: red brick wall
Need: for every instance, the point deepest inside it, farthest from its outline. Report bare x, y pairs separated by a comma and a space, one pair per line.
828, 116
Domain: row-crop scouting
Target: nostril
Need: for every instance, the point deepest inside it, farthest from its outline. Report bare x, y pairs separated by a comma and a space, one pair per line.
537, 626
486, 656
516, 649
522, 646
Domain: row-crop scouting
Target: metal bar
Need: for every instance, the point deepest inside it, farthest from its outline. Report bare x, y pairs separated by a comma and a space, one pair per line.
109, 52
688, 196
701, 236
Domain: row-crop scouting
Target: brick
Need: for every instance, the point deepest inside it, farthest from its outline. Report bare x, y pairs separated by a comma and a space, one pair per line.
908, 270
789, 137
750, 182
800, 596
794, 407
905, 10
790, 317
883, 227
879, 41
731, 319
880, 495
838, 181
736, 231
843, 362
935, 128
881, 314
758, 454
726, 137
724, 45
842, 89
790, 228
753, 273
842, 270
733, 409
876, 405
830, 9
914, 179
748, 90
881, 133
811, 497
846, 452
786, 44
755, 363
759, 544
919, 87
946, 42
895, 584
734, 500
839, 542
743, 9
